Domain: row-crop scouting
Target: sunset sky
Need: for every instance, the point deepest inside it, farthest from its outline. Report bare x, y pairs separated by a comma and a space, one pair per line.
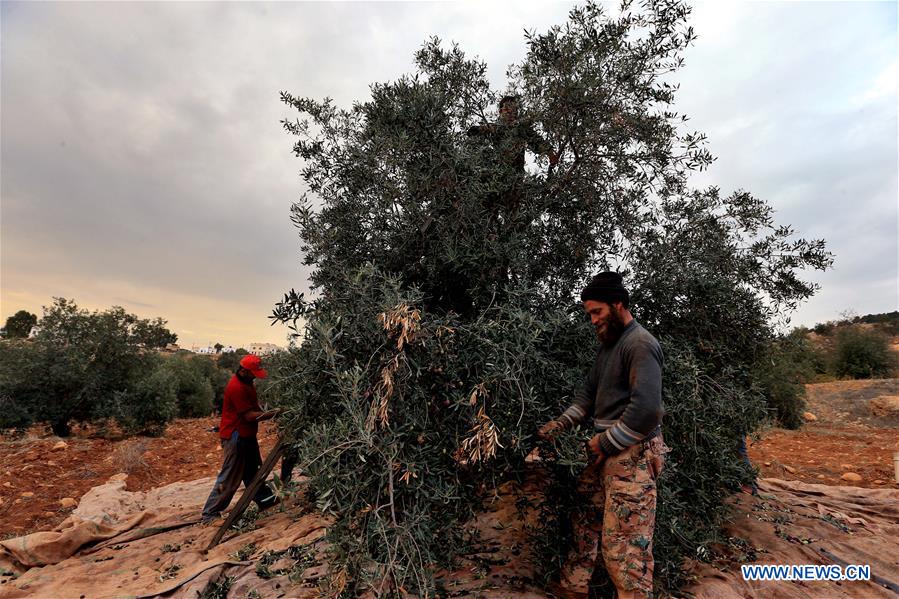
143, 163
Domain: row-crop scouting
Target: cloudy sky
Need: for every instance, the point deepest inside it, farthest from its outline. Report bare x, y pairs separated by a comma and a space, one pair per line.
143, 163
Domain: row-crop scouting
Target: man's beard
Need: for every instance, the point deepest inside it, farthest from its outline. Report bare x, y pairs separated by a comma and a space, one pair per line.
613, 330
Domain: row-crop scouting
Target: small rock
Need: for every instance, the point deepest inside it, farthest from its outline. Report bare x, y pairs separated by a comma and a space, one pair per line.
60, 446
67, 502
885, 406
17, 501
809, 417
49, 514
767, 463
846, 467
878, 482
821, 477
27, 494
8, 485
790, 470
851, 477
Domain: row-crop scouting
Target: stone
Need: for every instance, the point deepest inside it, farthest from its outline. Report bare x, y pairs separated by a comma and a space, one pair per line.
790, 470
851, 477
67, 502
846, 467
878, 482
821, 477
60, 446
49, 514
885, 406
767, 463
27, 494
809, 417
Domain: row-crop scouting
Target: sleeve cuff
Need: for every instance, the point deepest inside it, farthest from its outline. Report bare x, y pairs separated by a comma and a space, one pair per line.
608, 447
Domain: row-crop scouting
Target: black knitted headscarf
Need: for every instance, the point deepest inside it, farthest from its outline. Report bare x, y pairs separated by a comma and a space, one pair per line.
606, 287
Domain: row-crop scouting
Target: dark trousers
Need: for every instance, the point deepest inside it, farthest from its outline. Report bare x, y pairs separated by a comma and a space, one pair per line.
241, 463
288, 463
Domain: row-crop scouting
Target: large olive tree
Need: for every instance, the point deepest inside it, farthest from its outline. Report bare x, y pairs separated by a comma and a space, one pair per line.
444, 326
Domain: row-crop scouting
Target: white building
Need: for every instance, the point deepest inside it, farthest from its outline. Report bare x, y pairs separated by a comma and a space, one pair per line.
261, 349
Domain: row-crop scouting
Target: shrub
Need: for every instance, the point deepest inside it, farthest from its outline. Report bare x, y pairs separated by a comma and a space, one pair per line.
194, 389
789, 363
149, 405
129, 456
217, 377
229, 361
863, 354
13, 415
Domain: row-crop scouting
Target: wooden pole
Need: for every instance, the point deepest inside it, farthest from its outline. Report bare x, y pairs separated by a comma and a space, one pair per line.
248, 493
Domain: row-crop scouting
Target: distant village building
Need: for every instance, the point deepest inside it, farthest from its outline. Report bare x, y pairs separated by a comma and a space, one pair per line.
34, 331
254, 348
260, 349
170, 348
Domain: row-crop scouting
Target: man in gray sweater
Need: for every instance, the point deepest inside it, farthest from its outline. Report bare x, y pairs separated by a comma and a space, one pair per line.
622, 398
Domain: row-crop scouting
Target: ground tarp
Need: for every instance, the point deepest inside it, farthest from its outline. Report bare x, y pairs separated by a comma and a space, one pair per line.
123, 544
795, 523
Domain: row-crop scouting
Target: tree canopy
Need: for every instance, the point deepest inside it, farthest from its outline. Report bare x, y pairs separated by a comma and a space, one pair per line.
19, 324
444, 325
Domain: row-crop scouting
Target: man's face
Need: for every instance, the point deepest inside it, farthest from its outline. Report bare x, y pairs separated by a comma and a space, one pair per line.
509, 111
606, 319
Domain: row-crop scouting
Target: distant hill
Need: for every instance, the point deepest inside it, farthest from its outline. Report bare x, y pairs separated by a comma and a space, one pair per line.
886, 323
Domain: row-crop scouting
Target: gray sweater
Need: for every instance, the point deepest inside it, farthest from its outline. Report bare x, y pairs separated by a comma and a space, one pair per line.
623, 391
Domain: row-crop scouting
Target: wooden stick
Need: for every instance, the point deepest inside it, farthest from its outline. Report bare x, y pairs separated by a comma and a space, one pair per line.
248, 493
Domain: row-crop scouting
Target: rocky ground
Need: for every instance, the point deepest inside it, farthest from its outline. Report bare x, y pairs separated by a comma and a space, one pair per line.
849, 439
44, 476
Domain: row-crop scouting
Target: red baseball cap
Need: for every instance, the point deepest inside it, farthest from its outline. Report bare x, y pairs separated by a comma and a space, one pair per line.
254, 365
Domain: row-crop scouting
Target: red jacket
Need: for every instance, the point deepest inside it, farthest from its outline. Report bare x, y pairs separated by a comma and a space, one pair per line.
240, 398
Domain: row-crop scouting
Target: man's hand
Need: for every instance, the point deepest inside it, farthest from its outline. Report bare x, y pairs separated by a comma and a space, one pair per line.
594, 450
550, 430
268, 415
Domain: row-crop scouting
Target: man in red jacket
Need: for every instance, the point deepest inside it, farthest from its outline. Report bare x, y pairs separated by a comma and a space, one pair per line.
241, 415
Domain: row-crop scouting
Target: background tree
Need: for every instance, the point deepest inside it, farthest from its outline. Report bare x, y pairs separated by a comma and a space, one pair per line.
19, 324
230, 360
153, 333
83, 366
218, 348
863, 354
446, 327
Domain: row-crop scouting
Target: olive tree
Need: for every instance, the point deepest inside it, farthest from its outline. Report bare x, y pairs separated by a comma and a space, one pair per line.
444, 325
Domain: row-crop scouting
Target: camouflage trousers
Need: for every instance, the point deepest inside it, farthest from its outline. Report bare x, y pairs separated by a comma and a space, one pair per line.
619, 509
